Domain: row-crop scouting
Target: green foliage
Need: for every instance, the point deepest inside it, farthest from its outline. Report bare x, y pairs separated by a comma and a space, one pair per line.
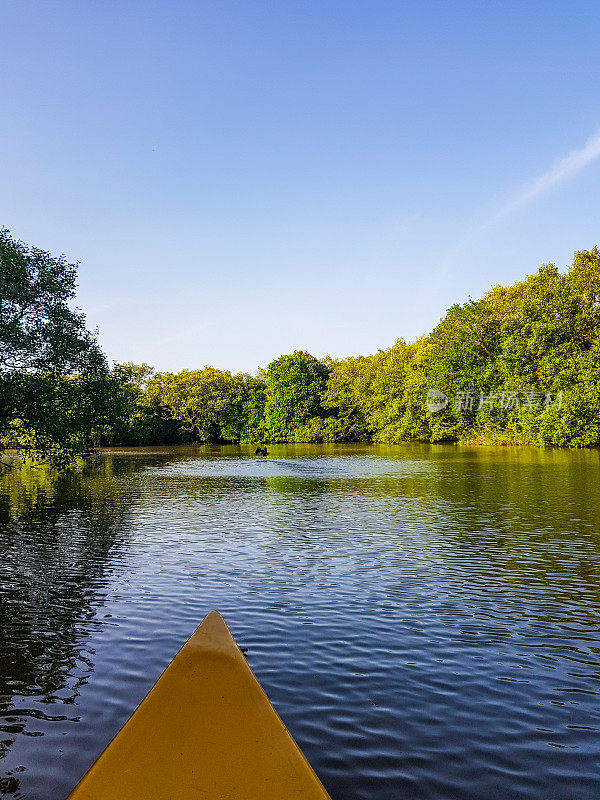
348, 394
58, 399
207, 403
323, 429
294, 387
137, 419
55, 418
56, 393
541, 334
39, 332
253, 409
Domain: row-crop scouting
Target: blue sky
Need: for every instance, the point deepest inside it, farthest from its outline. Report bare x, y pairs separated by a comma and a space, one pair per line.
242, 179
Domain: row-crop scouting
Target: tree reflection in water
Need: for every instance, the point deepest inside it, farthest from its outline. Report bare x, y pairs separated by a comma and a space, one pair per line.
60, 539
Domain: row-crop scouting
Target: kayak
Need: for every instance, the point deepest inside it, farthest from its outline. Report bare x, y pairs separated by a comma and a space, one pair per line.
206, 730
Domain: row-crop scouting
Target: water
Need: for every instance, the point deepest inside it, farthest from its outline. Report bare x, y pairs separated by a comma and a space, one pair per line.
424, 618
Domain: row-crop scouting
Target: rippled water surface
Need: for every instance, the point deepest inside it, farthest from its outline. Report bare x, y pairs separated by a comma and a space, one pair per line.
424, 619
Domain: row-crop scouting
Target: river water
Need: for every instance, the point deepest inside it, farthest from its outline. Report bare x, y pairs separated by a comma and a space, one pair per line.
425, 619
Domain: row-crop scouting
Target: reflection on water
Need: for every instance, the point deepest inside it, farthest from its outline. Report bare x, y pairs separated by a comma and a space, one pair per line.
424, 618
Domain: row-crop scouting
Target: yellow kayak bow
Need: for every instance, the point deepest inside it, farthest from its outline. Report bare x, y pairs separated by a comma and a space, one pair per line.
206, 730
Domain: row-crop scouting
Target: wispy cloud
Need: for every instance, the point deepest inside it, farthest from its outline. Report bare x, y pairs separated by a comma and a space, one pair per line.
564, 169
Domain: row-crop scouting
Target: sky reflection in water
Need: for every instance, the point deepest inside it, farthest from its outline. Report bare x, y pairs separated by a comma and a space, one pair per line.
424, 618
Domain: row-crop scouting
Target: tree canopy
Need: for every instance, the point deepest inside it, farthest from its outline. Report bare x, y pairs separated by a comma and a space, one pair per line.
55, 387
205, 402
294, 387
534, 340
39, 331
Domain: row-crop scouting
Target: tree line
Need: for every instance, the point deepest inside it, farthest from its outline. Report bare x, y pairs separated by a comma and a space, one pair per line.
521, 365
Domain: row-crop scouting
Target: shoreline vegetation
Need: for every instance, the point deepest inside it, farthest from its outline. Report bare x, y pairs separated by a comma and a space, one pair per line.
501, 362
